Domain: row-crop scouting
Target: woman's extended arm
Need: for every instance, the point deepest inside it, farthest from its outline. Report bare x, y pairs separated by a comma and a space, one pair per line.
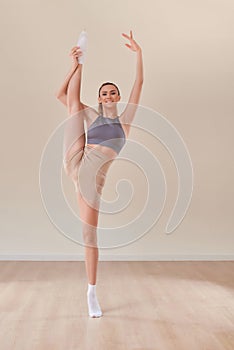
62, 92
129, 112
69, 92
137, 86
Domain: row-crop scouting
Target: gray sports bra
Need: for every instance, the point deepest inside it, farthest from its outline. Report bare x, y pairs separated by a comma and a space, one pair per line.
107, 132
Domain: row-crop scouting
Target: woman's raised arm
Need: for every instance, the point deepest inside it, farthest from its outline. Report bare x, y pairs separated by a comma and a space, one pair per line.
130, 110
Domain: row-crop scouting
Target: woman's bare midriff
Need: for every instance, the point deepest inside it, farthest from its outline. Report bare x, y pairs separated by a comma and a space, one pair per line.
106, 150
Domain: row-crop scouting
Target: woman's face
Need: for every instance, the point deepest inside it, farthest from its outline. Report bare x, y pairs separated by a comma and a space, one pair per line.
108, 95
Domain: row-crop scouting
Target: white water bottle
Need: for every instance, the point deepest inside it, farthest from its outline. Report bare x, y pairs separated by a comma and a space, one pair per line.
82, 43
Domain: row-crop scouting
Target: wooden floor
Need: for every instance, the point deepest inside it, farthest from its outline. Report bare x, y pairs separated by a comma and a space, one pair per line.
146, 305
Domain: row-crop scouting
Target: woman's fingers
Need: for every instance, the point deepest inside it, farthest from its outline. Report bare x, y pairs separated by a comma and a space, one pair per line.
75, 47
77, 54
127, 36
75, 50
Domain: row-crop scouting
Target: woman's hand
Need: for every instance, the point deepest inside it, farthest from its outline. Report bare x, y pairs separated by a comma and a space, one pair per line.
133, 45
75, 53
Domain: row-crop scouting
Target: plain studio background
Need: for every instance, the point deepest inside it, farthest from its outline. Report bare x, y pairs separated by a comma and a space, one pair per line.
188, 70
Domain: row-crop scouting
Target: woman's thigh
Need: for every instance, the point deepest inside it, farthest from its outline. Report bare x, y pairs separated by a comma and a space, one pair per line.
72, 164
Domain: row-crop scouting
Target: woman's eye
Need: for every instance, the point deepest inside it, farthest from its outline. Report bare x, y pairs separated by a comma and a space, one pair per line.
104, 94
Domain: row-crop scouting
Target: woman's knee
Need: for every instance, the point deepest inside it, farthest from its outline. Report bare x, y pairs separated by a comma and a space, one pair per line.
90, 235
89, 218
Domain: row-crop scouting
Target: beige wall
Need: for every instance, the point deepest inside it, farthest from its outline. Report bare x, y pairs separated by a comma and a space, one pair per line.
188, 63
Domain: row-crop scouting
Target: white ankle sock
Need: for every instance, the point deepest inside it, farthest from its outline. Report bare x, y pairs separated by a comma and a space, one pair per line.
93, 305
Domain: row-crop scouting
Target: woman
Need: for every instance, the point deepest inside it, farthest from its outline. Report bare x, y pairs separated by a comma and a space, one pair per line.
87, 165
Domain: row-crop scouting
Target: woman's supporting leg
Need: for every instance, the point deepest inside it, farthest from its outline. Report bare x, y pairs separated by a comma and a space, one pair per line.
89, 217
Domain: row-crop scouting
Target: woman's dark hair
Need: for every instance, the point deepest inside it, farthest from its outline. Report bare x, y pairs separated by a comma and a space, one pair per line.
100, 110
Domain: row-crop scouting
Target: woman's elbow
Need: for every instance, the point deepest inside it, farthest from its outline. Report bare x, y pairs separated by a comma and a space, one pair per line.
62, 98
140, 81
58, 96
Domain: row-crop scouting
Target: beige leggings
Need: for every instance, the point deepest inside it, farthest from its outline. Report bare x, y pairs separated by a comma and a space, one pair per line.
87, 168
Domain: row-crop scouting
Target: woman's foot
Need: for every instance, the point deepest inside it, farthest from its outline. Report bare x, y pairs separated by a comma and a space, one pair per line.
93, 305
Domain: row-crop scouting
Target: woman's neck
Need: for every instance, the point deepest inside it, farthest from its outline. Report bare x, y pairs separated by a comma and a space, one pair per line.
110, 113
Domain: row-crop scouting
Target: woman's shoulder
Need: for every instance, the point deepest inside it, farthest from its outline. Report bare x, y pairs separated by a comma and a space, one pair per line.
90, 110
